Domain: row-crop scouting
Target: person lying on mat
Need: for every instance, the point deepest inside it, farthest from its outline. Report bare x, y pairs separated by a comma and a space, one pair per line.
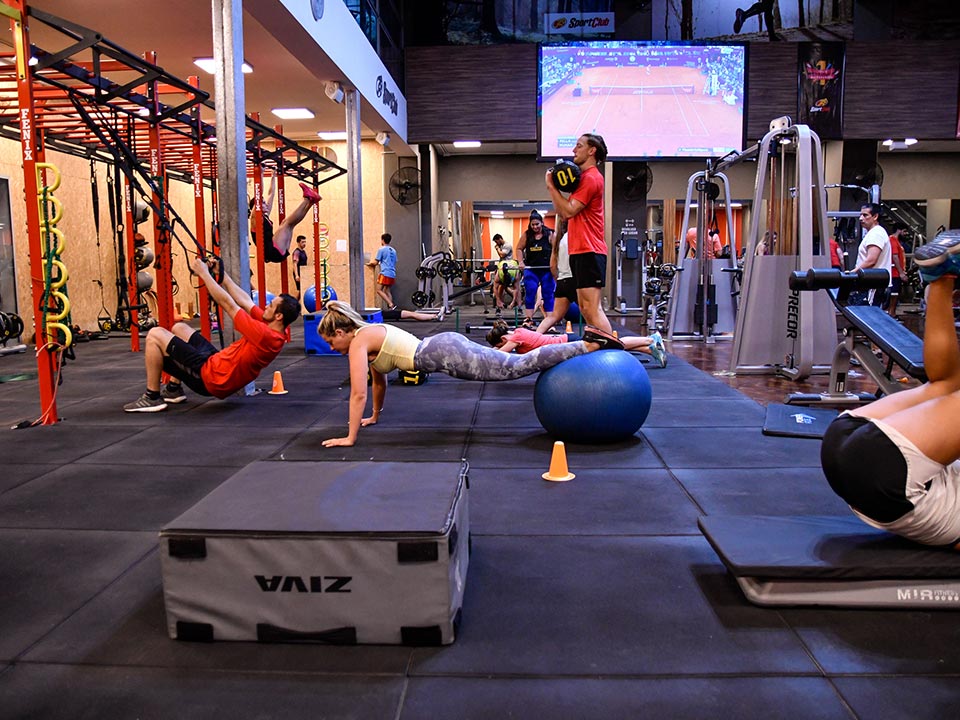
189, 358
382, 348
521, 340
896, 461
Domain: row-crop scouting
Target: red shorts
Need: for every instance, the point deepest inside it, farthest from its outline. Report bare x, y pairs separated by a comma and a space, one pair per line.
384, 280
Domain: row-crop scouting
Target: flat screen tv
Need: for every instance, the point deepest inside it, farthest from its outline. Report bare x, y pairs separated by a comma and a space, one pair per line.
649, 100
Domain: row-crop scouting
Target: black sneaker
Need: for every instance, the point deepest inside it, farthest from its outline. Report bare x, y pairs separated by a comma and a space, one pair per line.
605, 340
173, 393
938, 250
145, 404
738, 21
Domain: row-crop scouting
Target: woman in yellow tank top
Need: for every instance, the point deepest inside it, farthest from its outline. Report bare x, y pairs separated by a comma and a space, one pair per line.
382, 348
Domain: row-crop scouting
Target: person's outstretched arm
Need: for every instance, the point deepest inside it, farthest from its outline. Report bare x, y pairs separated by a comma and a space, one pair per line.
241, 298
219, 295
359, 364
266, 202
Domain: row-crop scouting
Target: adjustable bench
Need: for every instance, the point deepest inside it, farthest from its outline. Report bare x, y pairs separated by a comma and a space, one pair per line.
863, 326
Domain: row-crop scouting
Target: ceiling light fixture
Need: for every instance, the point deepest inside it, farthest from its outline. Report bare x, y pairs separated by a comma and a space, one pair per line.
462, 144
899, 144
209, 65
342, 135
294, 113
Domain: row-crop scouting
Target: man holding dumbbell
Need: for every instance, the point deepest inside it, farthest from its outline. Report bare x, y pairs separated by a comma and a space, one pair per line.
583, 210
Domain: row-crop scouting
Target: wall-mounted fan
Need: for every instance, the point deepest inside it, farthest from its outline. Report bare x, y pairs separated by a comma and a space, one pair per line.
637, 183
868, 175
405, 185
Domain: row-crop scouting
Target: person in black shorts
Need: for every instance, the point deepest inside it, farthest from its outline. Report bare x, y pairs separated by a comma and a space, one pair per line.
276, 245
896, 461
299, 260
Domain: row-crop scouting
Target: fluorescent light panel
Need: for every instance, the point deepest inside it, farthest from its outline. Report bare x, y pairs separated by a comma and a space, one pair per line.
300, 113
332, 135
207, 64
466, 143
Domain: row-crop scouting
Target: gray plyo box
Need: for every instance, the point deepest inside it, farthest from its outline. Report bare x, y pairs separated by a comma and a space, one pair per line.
328, 552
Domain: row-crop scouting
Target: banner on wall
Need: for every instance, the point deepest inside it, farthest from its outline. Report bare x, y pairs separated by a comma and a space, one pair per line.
820, 103
578, 23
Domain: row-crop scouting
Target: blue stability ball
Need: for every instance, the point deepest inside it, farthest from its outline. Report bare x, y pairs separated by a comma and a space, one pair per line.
600, 397
256, 297
573, 313
310, 297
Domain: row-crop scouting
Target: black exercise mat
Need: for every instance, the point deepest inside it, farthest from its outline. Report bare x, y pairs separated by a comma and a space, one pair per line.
126, 625
42, 584
608, 606
669, 411
108, 497
629, 501
473, 698
382, 442
530, 447
717, 445
761, 491
797, 421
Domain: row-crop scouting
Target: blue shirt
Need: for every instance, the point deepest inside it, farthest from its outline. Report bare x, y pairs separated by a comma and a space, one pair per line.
387, 257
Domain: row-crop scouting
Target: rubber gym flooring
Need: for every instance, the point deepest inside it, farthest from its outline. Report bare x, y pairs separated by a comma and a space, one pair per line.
596, 598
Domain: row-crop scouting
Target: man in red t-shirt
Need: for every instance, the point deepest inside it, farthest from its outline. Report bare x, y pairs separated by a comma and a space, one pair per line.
585, 232
898, 270
188, 357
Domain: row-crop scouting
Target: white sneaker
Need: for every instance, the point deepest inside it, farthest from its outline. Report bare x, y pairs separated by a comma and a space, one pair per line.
657, 349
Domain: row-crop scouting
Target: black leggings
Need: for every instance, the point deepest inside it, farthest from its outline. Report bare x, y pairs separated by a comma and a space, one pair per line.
455, 355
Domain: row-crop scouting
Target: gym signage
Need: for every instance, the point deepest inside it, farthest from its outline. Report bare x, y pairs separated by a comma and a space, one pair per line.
387, 97
578, 23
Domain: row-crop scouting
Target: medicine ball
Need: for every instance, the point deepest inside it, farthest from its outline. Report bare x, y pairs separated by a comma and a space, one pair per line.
566, 175
256, 297
310, 297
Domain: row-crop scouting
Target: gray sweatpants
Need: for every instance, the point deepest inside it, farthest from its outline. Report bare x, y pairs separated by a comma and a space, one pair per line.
455, 355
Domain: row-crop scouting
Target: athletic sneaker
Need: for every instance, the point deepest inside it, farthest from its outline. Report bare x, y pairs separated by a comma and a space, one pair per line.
657, 350
441, 314
309, 193
605, 340
145, 404
949, 265
937, 250
738, 22
173, 393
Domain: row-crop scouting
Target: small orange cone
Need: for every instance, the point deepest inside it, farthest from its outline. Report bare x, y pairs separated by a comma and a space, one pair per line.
569, 327
277, 384
616, 334
558, 465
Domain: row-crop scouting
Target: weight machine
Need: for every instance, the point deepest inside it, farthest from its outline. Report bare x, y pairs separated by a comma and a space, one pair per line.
781, 331
706, 308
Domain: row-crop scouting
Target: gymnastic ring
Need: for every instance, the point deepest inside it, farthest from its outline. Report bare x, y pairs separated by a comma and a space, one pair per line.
61, 276
58, 210
61, 240
322, 229
56, 174
323, 242
63, 303
67, 334
323, 254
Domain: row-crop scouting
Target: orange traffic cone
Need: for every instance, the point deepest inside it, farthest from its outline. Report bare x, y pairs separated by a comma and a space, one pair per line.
558, 465
569, 327
277, 384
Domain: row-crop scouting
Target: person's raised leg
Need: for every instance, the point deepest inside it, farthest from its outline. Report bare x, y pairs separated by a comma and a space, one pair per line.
928, 415
560, 307
155, 348
589, 301
284, 234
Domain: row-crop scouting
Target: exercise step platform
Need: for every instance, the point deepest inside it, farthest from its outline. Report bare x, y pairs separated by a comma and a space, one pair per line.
322, 552
834, 561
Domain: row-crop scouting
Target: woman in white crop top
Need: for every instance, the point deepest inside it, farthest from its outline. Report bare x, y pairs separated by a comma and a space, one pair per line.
382, 348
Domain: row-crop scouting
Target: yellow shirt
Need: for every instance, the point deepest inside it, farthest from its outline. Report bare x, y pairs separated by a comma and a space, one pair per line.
397, 350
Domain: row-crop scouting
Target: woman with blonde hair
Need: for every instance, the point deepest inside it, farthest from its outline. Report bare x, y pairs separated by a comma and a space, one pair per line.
381, 348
